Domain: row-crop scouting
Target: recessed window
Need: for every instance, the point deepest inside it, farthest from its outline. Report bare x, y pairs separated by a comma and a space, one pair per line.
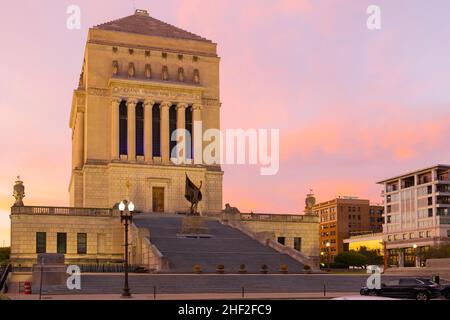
298, 243
180, 57
147, 53
41, 242
164, 55
195, 58
61, 242
114, 49
281, 240
81, 243
131, 51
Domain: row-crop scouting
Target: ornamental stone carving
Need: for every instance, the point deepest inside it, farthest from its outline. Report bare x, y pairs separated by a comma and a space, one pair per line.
181, 74
165, 73
131, 70
115, 68
148, 71
19, 192
196, 78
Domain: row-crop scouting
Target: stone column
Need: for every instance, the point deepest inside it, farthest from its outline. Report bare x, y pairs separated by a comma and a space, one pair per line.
197, 133
181, 127
165, 156
79, 136
148, 133
131, 109
115, 129
401, 258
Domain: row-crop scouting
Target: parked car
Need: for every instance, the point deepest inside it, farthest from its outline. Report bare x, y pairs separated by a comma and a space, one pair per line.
409, 288
363, 298
446, 291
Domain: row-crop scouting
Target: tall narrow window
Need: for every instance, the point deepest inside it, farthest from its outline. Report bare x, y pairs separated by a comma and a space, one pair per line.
61, 242
298, 244
189, 144
172, 128
81, 243
41, 242
123, 128
156, 128
139, 129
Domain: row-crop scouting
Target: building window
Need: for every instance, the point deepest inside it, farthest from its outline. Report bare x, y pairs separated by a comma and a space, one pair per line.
156, 130
189, 145
428, 234
430, 212
139, 129
281, 240
448, 233
123, 128
298, 244
61, 242
81, 243
172, 128
411, 235
41, 242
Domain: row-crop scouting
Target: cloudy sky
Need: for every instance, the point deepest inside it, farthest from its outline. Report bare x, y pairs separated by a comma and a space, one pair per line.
353, 106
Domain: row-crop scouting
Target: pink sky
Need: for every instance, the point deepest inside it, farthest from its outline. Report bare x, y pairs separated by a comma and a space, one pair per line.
353, 106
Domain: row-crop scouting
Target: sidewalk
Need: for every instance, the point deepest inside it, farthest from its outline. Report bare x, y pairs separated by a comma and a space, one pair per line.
189, 296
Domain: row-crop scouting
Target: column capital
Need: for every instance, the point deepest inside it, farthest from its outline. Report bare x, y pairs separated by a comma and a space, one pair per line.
197, 106
165, 104
132, 102
149, 103
181, 105
116, 100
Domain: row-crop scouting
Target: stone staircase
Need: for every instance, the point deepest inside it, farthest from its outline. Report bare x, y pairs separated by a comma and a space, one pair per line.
227, 246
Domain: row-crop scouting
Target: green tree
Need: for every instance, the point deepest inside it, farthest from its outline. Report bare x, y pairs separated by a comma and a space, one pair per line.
373, 256
351, 258
4, 254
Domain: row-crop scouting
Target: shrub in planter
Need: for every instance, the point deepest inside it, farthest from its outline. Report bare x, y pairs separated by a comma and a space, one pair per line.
283, 268
197, 269
220, 268
307, 268
264, 269
242, 269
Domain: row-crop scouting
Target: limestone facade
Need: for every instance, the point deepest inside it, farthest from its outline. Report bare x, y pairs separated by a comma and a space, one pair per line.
126, 62
286, 228
102, 227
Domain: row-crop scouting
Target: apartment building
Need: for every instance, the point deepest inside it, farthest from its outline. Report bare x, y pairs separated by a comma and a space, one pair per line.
343, 217
417, 206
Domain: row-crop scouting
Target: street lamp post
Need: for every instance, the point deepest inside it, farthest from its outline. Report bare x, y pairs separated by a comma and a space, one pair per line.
126, 217
415, 255
328, 250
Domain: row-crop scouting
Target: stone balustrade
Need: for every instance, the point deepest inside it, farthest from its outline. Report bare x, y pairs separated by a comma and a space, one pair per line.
69, 211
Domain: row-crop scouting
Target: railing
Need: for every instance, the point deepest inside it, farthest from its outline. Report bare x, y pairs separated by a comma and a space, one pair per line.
4, 276
276, 217
70, 211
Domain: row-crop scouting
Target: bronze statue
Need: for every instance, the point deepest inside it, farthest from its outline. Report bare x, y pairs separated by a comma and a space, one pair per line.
193, 195
19, 192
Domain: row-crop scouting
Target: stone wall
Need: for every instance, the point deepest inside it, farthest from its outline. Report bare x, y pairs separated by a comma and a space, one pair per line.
104, 233
106, 185
287, 226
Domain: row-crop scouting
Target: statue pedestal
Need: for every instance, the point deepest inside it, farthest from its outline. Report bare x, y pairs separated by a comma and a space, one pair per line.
53, 271
194, 225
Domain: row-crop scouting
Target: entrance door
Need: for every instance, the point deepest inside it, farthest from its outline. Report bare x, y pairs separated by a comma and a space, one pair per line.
158, 199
